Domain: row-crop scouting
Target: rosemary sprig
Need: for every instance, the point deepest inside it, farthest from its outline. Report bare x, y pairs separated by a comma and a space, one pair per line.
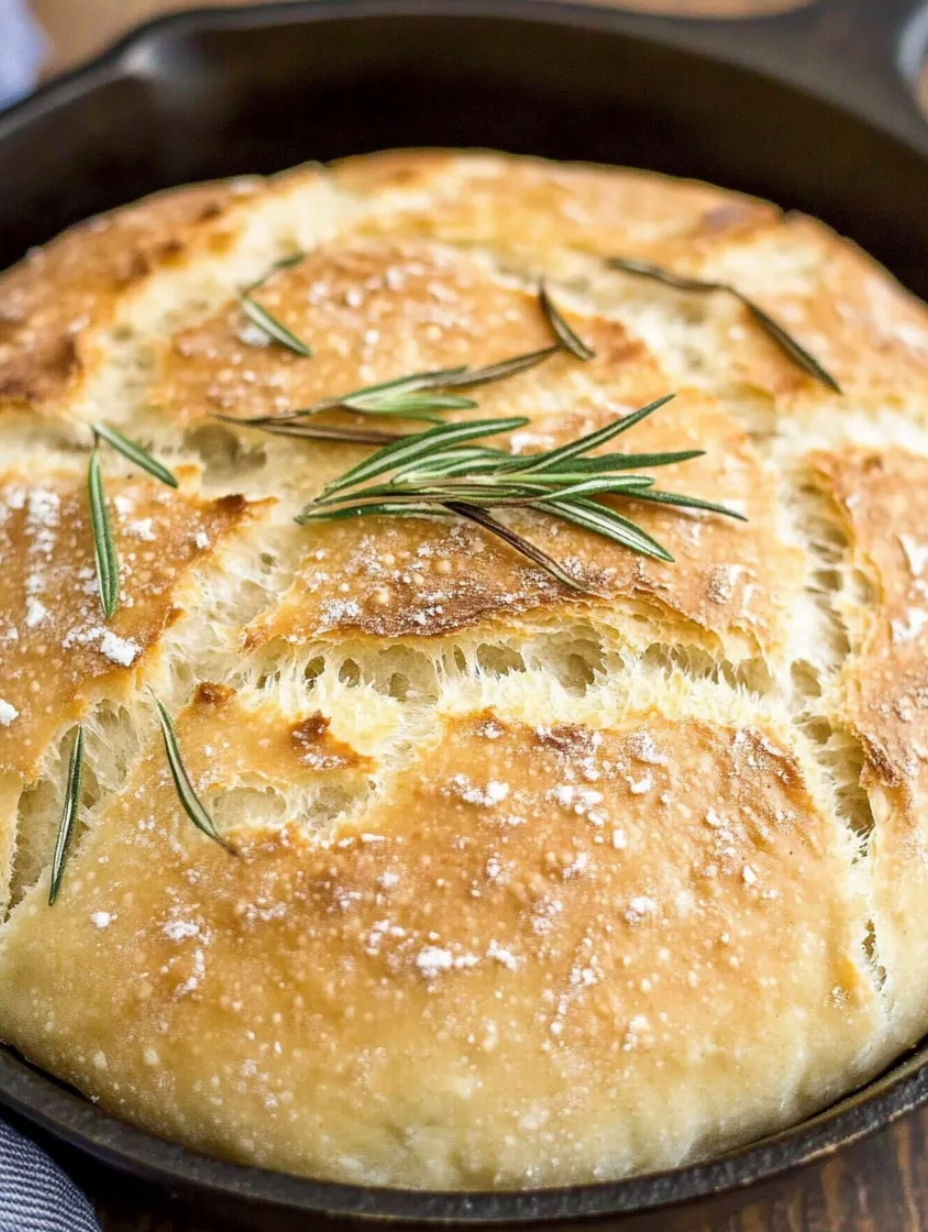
439, 472
72, 799
105, 555
473, 514
421, 395
315, 431
421, 445
134, 452
182, 785
69, 812
264, 319
415, 396
104, 544
793, 349
406, 397
567, 337
470, 378
273, 326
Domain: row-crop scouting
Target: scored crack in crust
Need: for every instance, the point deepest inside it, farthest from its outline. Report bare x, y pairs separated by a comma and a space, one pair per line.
534, 886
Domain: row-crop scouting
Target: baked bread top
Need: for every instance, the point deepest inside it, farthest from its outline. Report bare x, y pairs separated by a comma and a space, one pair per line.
532, 884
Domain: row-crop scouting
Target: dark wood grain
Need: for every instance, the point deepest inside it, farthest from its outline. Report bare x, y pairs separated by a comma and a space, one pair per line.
79, 28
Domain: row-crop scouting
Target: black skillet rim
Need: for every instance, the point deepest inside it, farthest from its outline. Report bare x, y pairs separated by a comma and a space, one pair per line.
66, 1115
47, 1104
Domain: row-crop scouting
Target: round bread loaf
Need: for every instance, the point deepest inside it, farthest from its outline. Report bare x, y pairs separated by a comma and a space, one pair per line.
531, 883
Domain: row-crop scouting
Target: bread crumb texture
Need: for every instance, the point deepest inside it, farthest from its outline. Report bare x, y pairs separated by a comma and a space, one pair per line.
534, 886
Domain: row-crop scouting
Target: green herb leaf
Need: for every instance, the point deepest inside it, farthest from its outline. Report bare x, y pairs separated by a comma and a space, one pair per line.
470, 378
421, 445
295, 258
135, 453
104, 544
435, 379
792, 348
645, 269
462, 377
624, 461
566, 336
69, 812
396, 509
314, 431
605, 485
450, 461
404, 397
688, 502
409, 406
182, 785
789, 345
605, 521
274, 328
593, 440
515, 541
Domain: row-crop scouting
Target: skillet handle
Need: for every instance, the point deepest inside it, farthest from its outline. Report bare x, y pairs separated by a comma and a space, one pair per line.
864, 55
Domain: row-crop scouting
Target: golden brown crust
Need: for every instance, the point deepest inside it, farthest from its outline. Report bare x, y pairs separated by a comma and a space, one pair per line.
50, 303
872, 335
217, 721
370, 311
58, 652
539, 964
535, 207
531, 885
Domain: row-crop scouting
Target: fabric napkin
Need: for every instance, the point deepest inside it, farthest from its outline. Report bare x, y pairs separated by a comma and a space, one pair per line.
35, 1195
22, 50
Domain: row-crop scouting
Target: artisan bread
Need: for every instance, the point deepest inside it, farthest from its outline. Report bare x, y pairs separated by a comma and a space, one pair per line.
531, 883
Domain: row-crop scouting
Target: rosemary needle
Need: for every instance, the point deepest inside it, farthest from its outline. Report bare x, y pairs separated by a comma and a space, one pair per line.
105, 555
107, 562
273, 327
775, 331
566, 336
134, 452
69, 812
182, 785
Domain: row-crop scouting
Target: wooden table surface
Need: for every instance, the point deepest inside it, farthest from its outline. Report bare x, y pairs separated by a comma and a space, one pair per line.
78, 28
880, 1185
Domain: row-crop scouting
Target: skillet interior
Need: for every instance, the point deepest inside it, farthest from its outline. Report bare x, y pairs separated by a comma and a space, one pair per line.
222, 93
226, 93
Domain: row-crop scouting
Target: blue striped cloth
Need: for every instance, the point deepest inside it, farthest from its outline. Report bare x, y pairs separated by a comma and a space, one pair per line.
35, 1195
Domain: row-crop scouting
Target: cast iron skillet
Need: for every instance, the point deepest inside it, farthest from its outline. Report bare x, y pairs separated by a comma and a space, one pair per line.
814, 110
